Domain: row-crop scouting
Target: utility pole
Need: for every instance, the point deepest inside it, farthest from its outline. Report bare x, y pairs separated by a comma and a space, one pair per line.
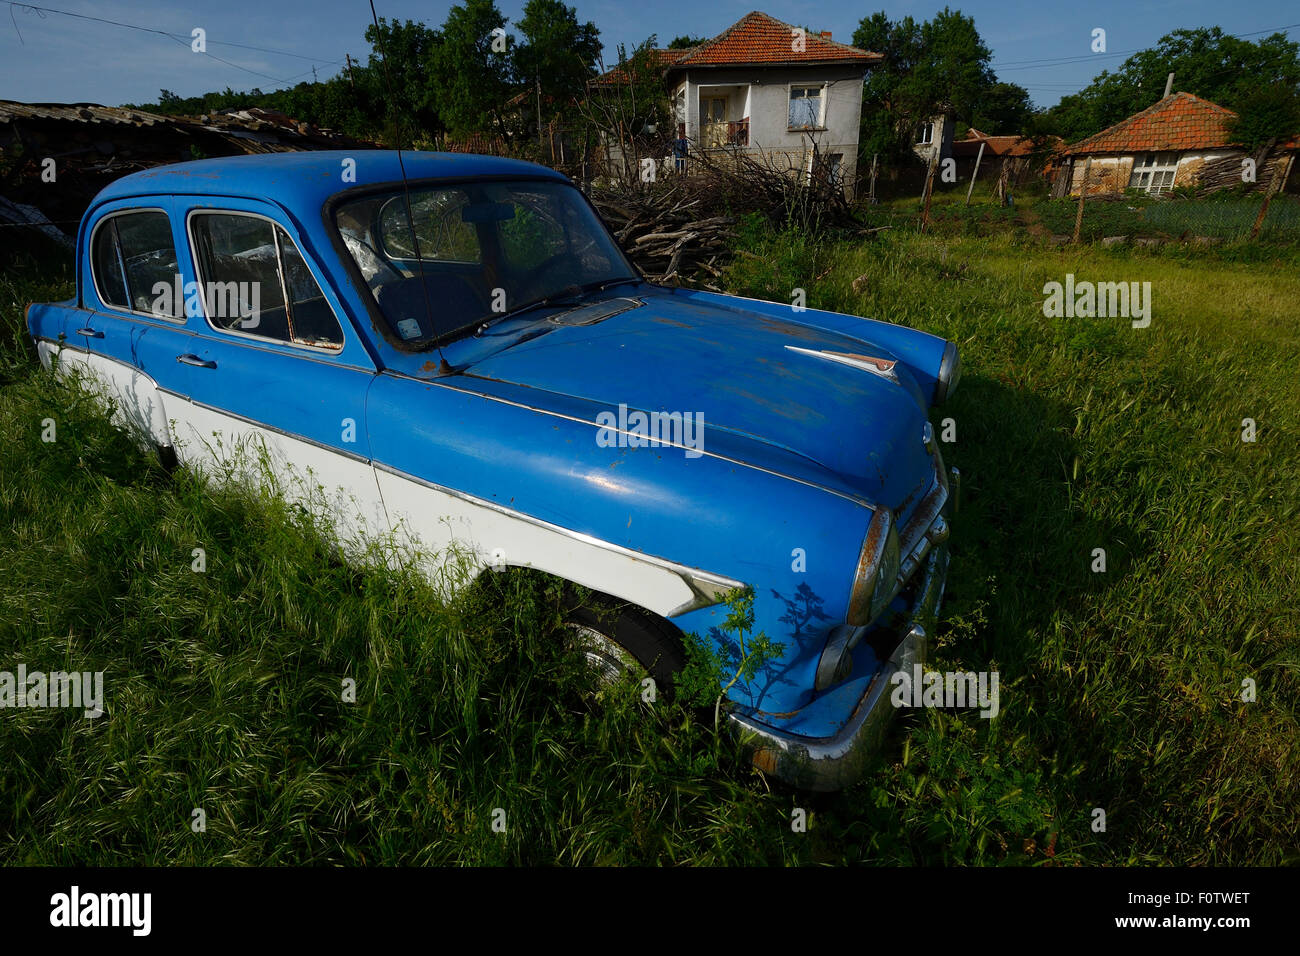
351, 81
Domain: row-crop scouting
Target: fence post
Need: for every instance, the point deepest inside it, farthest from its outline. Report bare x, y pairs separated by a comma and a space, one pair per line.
975, 172
1083, 191
1275, 185
872, 197
929, 189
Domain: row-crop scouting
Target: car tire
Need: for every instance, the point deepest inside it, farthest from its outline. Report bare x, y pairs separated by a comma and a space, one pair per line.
619, 637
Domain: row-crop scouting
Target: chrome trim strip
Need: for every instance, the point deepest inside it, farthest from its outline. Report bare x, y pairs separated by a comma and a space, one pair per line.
280, 431
706, 586
856, 499
61, 344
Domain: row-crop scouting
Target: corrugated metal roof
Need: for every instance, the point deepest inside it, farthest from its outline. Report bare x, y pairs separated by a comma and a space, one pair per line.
79, 113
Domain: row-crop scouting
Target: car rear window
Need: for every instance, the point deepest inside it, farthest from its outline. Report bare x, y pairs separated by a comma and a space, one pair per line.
132, 252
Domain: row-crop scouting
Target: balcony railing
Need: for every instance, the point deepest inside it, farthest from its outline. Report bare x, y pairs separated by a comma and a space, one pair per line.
723, 133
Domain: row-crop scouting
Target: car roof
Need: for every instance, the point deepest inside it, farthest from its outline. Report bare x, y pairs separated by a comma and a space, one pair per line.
307, 179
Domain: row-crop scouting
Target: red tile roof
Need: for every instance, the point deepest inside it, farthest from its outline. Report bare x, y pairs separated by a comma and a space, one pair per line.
755, 38
1178, 122
758, 38
1000, 145
663, 58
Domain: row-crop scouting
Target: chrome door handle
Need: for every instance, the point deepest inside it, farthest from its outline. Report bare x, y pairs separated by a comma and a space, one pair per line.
189, 359
90, 333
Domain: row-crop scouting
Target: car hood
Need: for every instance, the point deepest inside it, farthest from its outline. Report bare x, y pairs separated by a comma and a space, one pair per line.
738, 369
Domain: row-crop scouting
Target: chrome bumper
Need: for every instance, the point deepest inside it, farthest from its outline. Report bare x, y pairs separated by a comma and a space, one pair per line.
833, 763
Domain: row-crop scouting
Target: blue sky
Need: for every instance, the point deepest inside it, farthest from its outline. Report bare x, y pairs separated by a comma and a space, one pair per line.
46, 57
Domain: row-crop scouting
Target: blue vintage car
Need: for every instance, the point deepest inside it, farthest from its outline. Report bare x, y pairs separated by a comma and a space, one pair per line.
452, 352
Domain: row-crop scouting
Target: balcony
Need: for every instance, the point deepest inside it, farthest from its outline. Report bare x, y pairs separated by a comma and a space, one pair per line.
718, 135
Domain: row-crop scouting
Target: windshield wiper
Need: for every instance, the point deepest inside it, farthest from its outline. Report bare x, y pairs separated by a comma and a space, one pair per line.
569, 295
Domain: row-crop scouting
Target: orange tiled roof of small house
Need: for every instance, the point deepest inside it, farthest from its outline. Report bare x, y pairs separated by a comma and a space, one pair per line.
1180, 121
759, 38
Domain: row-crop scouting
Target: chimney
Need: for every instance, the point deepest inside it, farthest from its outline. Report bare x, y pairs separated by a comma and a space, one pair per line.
1169, 85
826, 34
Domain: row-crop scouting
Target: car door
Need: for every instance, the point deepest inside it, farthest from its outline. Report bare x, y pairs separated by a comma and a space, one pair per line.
276, 374
135, 325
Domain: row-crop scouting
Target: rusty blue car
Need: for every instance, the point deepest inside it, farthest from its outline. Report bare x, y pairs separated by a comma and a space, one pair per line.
451, 352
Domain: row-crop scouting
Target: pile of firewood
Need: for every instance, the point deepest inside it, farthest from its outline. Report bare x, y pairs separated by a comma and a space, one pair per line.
680, 230
668, 232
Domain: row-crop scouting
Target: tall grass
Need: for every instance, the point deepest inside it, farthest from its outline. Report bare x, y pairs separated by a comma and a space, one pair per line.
1120, 690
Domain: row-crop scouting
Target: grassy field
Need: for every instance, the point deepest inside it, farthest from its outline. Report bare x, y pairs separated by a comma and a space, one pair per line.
1121, 690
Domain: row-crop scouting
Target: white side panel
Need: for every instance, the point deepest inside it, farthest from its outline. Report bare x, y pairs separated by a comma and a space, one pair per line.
227, 448
434, 523
138, 406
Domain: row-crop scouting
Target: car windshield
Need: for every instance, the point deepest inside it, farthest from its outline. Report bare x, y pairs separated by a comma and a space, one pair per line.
441, 259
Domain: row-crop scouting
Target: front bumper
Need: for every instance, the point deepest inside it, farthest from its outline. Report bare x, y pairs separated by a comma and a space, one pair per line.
833, 763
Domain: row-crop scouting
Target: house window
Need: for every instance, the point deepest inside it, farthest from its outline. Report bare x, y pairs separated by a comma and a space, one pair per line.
925, 135
806, 107
1153, 172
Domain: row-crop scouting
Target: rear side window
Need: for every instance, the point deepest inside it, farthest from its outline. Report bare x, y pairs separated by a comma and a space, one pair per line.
255, 282
131, 254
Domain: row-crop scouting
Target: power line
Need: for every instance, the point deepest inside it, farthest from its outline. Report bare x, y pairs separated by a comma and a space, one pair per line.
182, 38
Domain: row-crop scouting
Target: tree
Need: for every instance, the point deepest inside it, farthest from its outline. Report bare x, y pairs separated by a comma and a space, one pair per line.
939, 65
400, 77
1003, 109
685, 42
1207, 62
472, 73
555, 56
1268, 113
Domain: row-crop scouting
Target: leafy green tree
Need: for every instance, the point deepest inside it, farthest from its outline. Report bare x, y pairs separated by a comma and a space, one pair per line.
940, 64
556, 53
685, 42
401, 80
472, 73
1205, 61
1267, 113
1004, 109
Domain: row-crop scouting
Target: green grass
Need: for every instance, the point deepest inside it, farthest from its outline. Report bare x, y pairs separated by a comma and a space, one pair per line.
1220, 217
1120, 690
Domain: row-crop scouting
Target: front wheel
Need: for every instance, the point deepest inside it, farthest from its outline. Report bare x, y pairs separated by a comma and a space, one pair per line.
619, 638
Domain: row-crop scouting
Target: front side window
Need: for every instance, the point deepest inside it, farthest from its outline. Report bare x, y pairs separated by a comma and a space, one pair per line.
131, 254
441, 259
254, 281
805, 107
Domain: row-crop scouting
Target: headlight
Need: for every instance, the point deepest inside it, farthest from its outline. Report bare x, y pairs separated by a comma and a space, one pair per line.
877, 574
949, 373
836, 662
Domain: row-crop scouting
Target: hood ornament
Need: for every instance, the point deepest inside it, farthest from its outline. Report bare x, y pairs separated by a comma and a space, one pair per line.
868, 363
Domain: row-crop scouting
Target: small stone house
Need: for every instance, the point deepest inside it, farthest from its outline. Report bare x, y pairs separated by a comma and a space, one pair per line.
1182, 140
